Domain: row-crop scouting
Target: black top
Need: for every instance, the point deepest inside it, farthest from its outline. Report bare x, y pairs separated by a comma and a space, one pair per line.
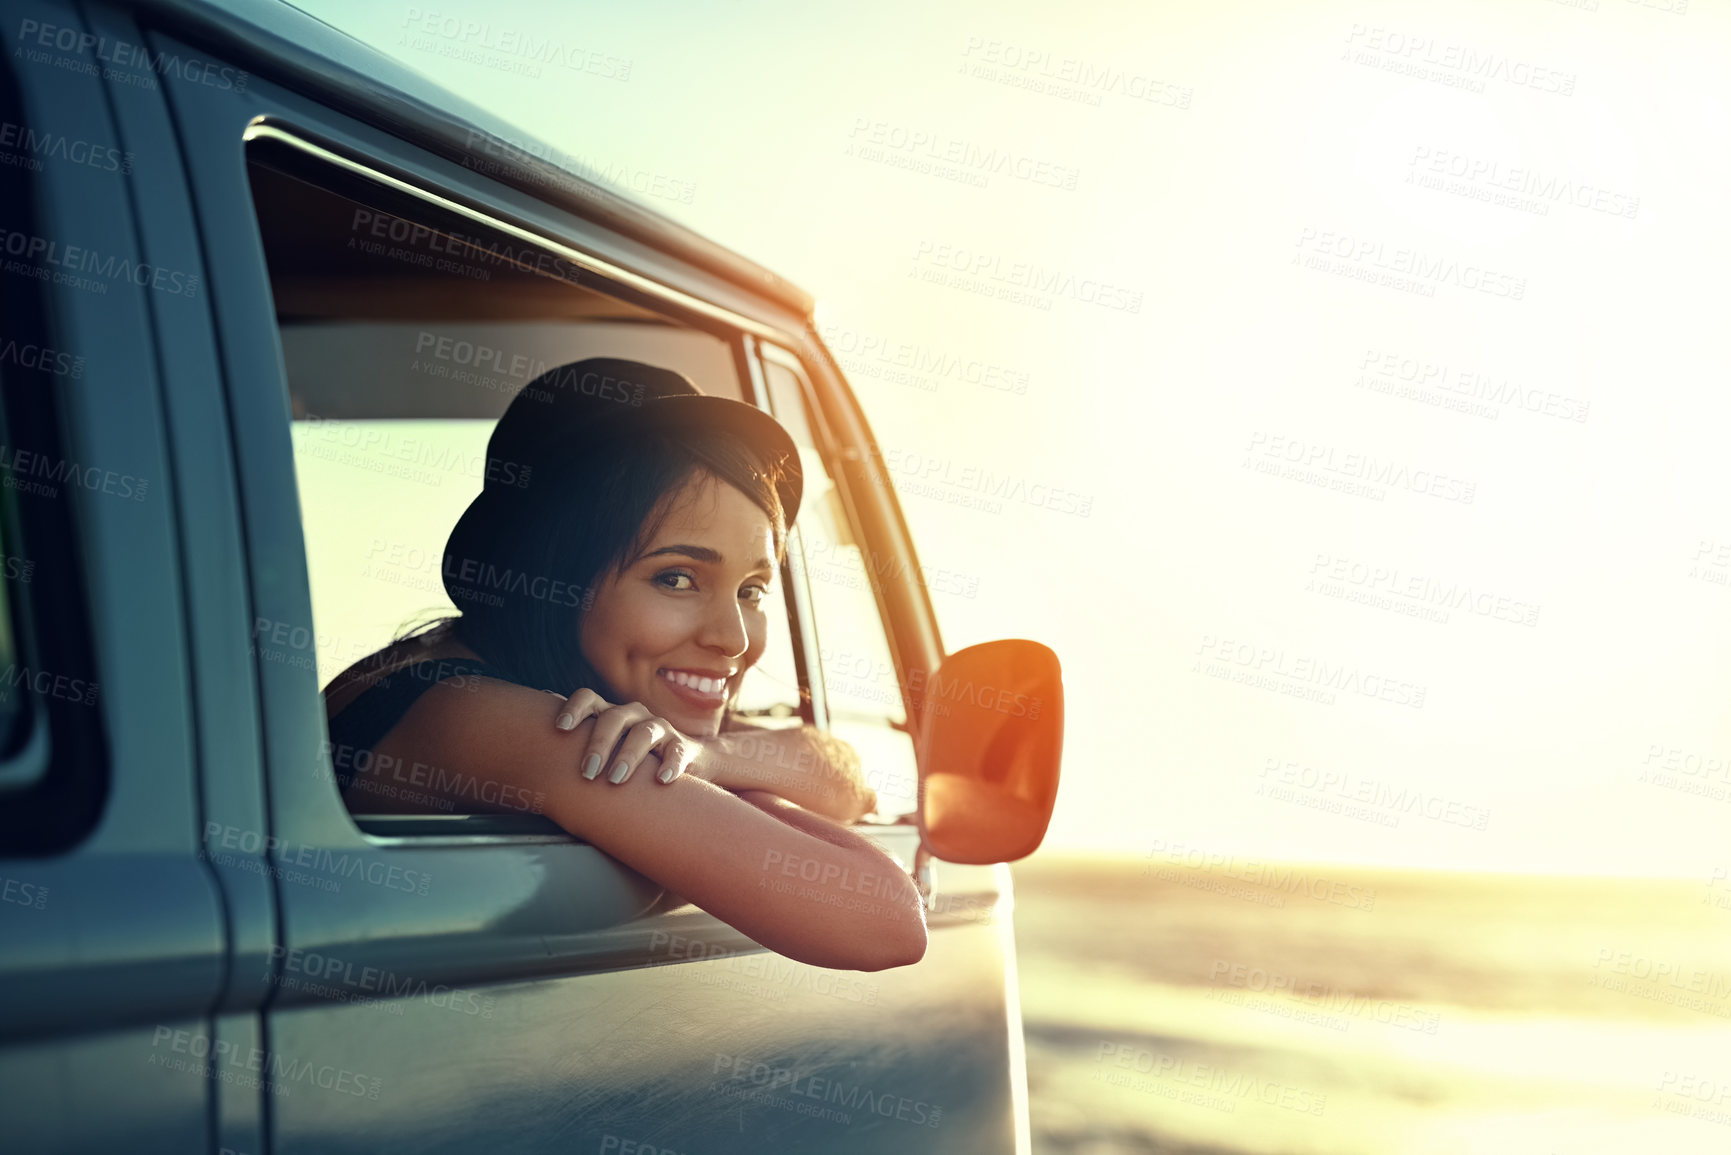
360, 725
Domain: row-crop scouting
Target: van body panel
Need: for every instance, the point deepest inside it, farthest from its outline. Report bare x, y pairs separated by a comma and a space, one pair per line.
129, 1090
225, 704
113, 476
742, 1053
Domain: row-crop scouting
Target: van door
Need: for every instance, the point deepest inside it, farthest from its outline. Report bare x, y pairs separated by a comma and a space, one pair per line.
454, 983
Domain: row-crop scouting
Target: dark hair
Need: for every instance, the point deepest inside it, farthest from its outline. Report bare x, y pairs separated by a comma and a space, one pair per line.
591, 520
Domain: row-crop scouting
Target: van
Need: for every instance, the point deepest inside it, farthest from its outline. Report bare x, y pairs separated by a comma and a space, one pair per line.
264, 293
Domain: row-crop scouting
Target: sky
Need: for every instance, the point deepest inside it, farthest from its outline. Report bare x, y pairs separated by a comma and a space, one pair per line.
1337, 387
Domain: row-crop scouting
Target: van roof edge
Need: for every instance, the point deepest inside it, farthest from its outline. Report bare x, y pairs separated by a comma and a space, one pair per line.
287, 46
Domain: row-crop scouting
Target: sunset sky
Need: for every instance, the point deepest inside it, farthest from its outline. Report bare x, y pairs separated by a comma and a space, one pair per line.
1378, 338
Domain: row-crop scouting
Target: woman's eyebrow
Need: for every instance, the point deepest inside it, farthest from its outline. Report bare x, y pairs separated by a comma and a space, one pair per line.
704, 554
694, 552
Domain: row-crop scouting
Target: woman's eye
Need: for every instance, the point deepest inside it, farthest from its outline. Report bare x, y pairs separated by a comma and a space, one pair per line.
676, 580
753, 594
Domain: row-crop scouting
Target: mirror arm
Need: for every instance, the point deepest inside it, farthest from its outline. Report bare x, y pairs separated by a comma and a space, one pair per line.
922, 874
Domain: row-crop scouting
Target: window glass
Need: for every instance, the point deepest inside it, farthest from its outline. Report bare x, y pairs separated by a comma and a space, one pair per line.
861, 688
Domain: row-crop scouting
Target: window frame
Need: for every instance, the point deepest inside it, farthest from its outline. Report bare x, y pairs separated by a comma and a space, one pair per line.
744, 335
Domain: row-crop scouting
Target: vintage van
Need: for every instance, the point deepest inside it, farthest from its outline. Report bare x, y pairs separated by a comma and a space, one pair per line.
264, 293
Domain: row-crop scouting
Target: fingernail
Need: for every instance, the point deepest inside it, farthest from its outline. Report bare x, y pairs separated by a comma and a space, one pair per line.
619, 772
666, 774
565, 722
592, 767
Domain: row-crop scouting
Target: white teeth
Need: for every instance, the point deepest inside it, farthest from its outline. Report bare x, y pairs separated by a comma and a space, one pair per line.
696, 682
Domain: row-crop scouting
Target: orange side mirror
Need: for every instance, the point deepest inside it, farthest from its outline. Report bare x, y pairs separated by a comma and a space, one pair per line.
991, 736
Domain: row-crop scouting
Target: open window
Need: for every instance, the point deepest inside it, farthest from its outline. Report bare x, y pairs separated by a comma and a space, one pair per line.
406, 330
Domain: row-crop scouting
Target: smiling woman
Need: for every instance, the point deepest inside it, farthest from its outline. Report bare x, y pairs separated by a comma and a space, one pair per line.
667, 509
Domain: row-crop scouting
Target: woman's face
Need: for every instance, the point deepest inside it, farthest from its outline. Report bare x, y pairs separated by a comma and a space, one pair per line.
677, 626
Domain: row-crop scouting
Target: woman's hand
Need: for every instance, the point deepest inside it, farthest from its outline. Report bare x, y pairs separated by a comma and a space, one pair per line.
623, 736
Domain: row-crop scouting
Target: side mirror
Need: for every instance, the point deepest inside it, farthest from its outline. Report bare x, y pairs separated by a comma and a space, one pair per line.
990, 737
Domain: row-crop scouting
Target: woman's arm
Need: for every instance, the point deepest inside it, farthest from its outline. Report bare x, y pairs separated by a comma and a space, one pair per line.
792, 881
802, 764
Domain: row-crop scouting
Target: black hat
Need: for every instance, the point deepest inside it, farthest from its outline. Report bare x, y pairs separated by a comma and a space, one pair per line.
558, 414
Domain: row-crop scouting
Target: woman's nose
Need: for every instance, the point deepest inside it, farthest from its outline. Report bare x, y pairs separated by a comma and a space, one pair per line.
724, 628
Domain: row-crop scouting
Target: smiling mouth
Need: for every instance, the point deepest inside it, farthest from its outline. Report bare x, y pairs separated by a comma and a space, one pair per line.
703, 689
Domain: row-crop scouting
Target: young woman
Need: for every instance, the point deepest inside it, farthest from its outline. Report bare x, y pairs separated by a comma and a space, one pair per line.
611, 576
